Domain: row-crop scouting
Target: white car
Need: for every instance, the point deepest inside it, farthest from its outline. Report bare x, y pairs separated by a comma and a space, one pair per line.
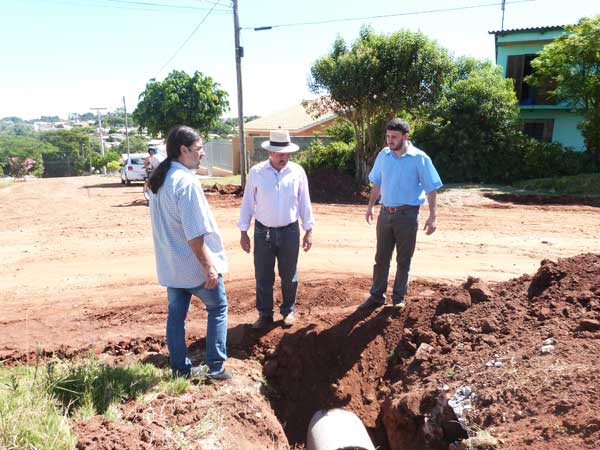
133, 168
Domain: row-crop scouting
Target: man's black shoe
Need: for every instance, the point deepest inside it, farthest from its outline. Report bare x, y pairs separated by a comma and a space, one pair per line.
262, 322
369, 304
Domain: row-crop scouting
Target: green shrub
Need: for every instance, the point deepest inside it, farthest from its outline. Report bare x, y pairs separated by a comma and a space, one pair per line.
113, 166
337, 155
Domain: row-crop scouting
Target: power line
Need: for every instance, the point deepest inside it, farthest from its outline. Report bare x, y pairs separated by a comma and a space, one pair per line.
135, 6
382, 16
187, 40
159, 4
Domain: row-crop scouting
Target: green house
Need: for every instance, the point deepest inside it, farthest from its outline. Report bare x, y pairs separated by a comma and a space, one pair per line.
540, 117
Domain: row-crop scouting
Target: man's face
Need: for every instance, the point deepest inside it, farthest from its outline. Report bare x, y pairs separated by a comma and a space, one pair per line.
396, 140
279, 160
191, 155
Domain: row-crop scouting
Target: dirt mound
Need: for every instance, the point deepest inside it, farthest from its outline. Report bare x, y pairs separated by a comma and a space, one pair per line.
331, 186
225, 189
536, 199
523, 369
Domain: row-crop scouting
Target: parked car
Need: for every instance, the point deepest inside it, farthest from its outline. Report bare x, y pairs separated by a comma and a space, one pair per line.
133, 168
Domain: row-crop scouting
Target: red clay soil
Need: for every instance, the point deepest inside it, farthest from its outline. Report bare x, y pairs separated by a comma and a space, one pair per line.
397, 368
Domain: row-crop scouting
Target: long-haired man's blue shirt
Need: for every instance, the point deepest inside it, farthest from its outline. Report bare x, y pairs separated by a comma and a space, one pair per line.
406, 179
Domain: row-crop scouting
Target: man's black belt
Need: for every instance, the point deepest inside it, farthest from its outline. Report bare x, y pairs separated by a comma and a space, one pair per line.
395, 209
275, 228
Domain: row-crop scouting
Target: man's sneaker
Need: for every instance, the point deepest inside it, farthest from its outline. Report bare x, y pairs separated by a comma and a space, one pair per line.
262, 322
288, 320
369, 304
223, 375
398, 303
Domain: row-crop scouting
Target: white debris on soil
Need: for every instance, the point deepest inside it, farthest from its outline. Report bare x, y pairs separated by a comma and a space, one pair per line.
548, 346
462, 403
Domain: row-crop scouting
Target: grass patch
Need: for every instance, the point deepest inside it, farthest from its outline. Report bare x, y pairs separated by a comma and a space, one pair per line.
30, 417
92, 387
37, 402
5, 182
583, 184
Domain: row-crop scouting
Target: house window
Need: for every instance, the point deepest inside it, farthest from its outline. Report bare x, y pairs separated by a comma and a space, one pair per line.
540, 129
518, 67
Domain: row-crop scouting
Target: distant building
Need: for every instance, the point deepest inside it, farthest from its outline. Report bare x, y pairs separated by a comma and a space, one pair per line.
295, 119
541, 117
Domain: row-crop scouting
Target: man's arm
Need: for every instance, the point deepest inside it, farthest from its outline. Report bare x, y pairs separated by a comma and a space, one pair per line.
199, 249
431, 223
246, 212
373, 196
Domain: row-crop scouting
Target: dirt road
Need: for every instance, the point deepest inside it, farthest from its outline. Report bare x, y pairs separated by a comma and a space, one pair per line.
71, 248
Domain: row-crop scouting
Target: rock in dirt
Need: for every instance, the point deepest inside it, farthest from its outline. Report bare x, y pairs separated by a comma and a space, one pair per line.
548, 274
423, 352
589, 325
455, 302
478, 290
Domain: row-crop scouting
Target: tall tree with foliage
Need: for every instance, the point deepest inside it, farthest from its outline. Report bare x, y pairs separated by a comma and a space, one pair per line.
70, 159
376, 78
14, 148
470, 132
572, 64
179, 99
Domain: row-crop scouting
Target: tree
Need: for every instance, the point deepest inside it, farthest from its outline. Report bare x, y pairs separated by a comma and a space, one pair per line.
69, 160
572, 64
376, 78
179, 99
137, 144
470, 133
15, 151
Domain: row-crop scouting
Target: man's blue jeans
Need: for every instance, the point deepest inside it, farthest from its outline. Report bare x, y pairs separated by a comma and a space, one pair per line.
281, 244
394, 230
215, 301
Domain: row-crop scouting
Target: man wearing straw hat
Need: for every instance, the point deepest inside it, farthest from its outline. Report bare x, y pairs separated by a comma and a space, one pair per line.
276, 194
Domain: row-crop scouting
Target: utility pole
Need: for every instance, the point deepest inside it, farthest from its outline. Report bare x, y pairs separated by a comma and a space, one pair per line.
503, 7
239, 54
126, 129
101, 139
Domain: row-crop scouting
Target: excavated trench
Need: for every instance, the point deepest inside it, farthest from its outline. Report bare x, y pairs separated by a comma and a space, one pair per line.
362, 361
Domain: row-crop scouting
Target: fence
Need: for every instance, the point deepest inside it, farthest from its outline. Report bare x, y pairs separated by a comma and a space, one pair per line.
218, 153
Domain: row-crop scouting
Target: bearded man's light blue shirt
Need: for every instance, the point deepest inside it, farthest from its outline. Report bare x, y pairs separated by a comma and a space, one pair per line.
405, 179
179, 213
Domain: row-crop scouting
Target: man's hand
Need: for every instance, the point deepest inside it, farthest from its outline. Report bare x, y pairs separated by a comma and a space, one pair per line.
211, 278
430, 225
307, 241
369, 215
245, 241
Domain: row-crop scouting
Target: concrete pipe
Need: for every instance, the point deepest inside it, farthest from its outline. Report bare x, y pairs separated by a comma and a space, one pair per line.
337, 429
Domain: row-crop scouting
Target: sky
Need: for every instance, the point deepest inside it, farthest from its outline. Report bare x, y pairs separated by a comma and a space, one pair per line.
68, 56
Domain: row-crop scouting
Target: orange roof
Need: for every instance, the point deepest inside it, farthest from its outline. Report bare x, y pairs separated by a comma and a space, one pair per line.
295, 119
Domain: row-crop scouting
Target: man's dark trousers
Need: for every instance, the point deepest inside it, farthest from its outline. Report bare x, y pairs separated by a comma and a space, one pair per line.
281, 244
394, 229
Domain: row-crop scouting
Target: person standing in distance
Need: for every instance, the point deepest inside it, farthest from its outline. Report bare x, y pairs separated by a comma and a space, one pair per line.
276, 194
404, 176
190, 258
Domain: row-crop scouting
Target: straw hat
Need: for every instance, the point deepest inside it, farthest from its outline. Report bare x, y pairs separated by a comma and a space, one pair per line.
279, 142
